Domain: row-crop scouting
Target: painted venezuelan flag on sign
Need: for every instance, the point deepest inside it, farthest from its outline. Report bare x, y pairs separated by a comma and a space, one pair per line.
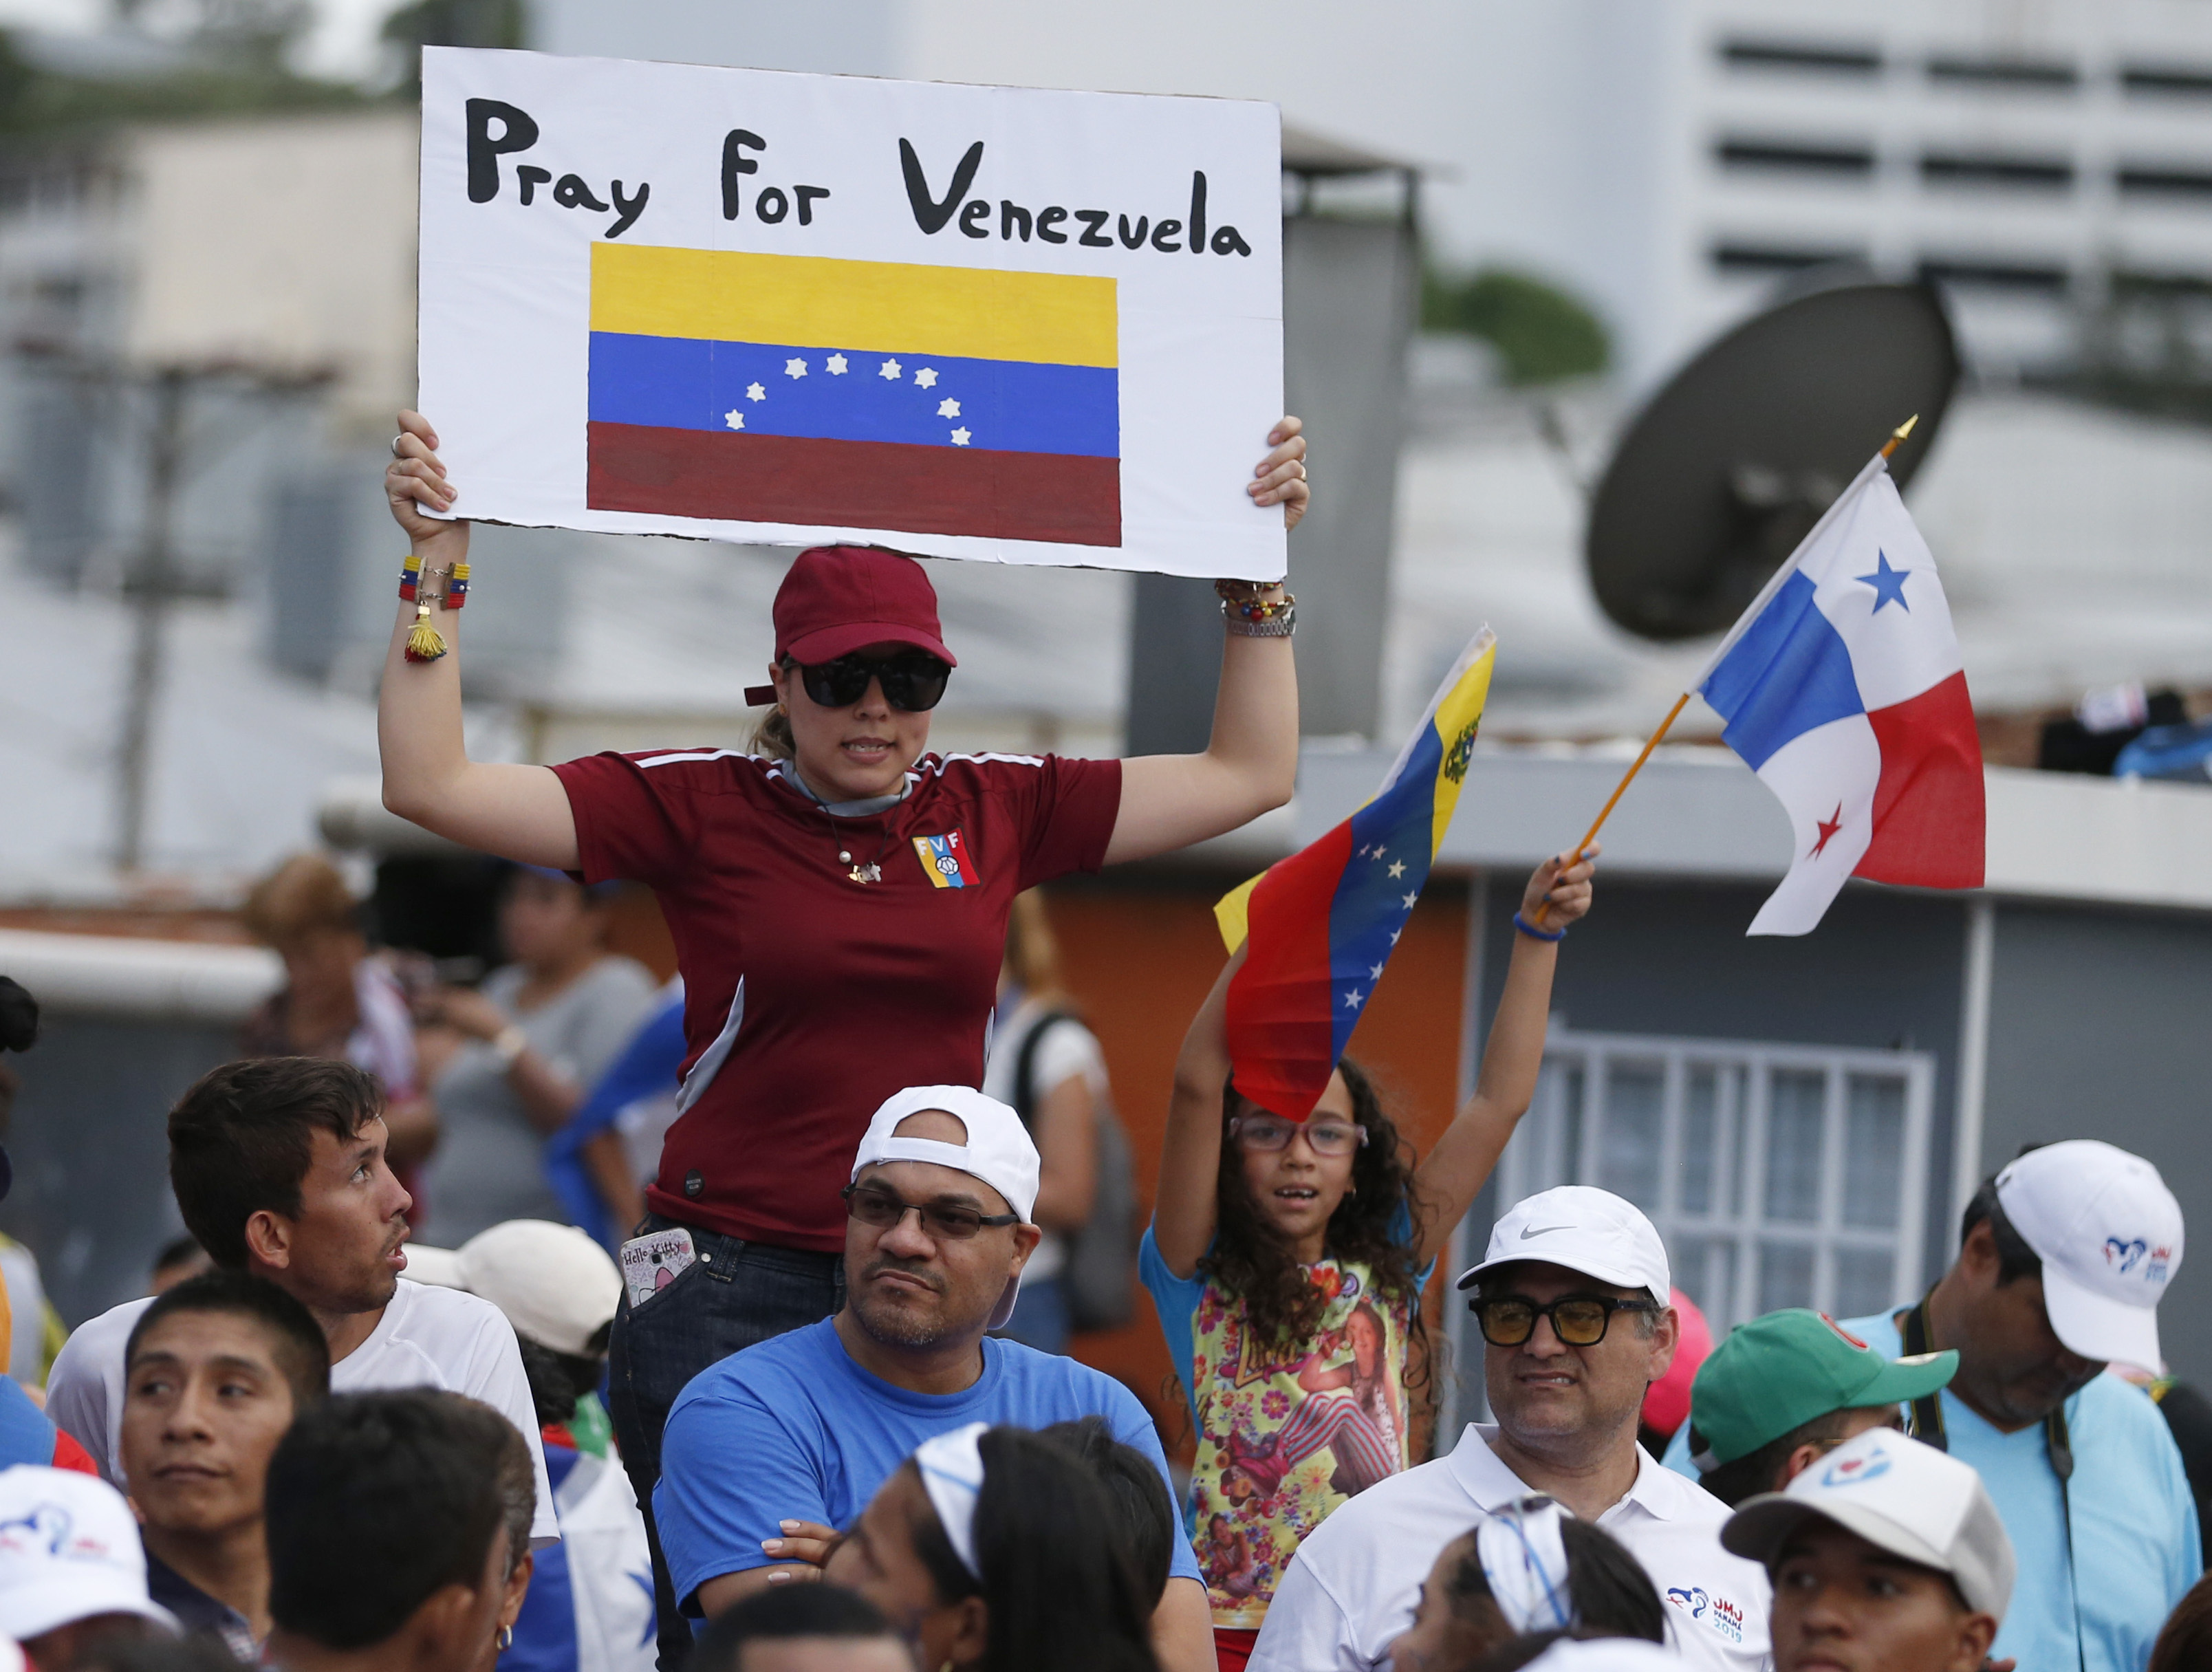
865, 394
1324, 923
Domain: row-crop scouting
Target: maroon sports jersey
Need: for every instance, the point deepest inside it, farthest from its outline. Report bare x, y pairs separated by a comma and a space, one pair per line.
808, 998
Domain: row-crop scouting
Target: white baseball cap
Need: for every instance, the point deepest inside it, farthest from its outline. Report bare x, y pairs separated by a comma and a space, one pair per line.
998, 1151
438, 1267
556, 1285
69, 1550
1898, 1495
1586, 1230
2108, 1233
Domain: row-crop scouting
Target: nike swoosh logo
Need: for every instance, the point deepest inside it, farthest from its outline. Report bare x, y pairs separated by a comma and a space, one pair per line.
1543, 1230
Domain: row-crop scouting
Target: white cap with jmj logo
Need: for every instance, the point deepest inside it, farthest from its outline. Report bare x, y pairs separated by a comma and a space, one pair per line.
1899, 1496
2108, 1233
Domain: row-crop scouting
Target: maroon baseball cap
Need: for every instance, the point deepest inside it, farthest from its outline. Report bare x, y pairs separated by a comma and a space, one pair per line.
840, 599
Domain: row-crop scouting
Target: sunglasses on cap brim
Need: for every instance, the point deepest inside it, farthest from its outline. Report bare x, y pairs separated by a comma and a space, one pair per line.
913, 681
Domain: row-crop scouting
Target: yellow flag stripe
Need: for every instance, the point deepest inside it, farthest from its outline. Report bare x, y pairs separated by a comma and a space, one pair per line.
870, 306
1460, 711
1233, 913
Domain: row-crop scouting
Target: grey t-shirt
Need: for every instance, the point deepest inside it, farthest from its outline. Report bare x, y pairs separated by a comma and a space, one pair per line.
489, 1165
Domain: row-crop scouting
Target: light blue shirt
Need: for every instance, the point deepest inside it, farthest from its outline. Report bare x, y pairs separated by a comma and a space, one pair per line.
2135, 1547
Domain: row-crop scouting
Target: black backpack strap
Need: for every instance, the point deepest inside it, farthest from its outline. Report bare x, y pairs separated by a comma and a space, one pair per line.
1025, 1063
1927, 1424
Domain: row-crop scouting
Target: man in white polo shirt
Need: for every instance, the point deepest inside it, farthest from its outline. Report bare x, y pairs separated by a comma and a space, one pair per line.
278, 1168
1572, 1302
2062, 1259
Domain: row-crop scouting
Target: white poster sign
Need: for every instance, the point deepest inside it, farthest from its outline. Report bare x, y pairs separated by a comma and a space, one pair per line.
1000, 323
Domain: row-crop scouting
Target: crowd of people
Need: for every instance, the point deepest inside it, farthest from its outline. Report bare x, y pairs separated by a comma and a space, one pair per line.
813, 1411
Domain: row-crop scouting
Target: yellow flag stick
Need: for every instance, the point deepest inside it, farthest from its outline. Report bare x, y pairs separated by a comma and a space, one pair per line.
1896, 436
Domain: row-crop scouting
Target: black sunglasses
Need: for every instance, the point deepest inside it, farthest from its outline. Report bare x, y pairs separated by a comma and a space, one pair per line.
1576, 1319
913, 680
872, 1205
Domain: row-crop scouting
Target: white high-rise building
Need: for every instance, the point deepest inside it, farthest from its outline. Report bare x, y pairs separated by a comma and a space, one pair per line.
1666, 159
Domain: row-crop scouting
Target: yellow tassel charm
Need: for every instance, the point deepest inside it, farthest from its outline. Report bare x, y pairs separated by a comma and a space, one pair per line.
424, 643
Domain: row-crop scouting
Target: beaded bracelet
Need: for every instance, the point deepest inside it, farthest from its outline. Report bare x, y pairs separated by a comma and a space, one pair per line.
424, 642
1535, 933
1242, 598
1278, 624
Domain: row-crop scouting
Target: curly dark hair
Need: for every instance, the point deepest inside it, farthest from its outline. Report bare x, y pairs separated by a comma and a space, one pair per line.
1251, 1259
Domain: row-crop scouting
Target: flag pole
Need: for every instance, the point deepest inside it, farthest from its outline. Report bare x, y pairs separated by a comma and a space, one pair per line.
1896, 438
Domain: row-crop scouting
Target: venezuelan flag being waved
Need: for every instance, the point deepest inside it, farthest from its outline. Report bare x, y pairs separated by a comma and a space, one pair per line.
864, 394
1322, 923
1843, 688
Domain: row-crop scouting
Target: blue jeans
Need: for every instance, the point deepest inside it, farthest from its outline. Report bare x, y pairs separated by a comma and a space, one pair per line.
735, 1294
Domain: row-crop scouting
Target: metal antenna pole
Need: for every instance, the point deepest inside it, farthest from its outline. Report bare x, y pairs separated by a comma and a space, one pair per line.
151, 587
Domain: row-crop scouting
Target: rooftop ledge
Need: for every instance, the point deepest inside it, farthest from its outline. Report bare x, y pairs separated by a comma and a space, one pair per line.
1698, 812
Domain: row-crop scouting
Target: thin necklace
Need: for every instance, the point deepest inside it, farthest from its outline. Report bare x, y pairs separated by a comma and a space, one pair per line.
870, 871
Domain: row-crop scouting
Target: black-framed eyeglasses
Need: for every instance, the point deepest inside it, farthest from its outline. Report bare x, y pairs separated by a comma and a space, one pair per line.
1324, 1136
913, 680
1576, 1319
946, 1221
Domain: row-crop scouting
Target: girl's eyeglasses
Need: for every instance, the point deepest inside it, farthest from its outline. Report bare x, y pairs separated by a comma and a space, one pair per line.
944, 1221
914, 680
1271, 1131
1577, 1320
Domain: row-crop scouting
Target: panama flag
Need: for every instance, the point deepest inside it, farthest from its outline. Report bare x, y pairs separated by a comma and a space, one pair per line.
1323, 922
870, 394
1842, 690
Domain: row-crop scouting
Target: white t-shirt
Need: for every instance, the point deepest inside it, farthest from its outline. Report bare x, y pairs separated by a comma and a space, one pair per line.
426, 1338
1352, 1587
1065, 1050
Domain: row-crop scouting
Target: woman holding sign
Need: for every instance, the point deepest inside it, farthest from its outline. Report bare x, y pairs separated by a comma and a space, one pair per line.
838, 900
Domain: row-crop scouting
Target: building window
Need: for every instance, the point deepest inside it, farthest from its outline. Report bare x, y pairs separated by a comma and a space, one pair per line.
2165, 180
1751, 260
1995, 169
2026, 74
1832, 161
1989, 273
1818, 57
1778, 1175
2167, 79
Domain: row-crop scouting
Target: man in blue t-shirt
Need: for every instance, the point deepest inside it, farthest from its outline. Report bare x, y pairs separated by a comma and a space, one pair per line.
766, 1450
2064, 1256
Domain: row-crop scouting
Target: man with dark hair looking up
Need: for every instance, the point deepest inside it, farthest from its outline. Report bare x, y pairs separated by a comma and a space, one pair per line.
2062, 1260
279, 1170
388, 1542
217, 1367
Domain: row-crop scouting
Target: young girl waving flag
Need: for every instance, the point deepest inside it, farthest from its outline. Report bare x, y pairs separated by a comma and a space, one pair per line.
1286, 1261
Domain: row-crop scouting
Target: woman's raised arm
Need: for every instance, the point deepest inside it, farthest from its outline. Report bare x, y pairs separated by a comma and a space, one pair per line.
518, 812
1251, 760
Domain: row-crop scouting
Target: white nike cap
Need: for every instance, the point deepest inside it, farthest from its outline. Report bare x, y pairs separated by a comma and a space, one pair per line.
2108, 1233
1586, 1230
1900, 1496
998, 1151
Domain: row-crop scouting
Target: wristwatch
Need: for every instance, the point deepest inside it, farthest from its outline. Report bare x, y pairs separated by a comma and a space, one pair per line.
509, 1043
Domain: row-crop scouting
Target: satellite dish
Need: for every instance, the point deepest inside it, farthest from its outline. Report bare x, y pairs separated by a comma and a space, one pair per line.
1734, 461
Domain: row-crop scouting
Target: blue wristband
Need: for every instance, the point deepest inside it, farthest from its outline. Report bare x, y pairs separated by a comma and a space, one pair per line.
1535, 933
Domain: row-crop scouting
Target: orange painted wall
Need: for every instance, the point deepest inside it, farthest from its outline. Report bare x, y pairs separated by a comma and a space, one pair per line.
1139, 954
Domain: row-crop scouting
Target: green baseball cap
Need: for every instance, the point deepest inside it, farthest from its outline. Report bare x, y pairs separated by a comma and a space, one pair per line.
1779, 1371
